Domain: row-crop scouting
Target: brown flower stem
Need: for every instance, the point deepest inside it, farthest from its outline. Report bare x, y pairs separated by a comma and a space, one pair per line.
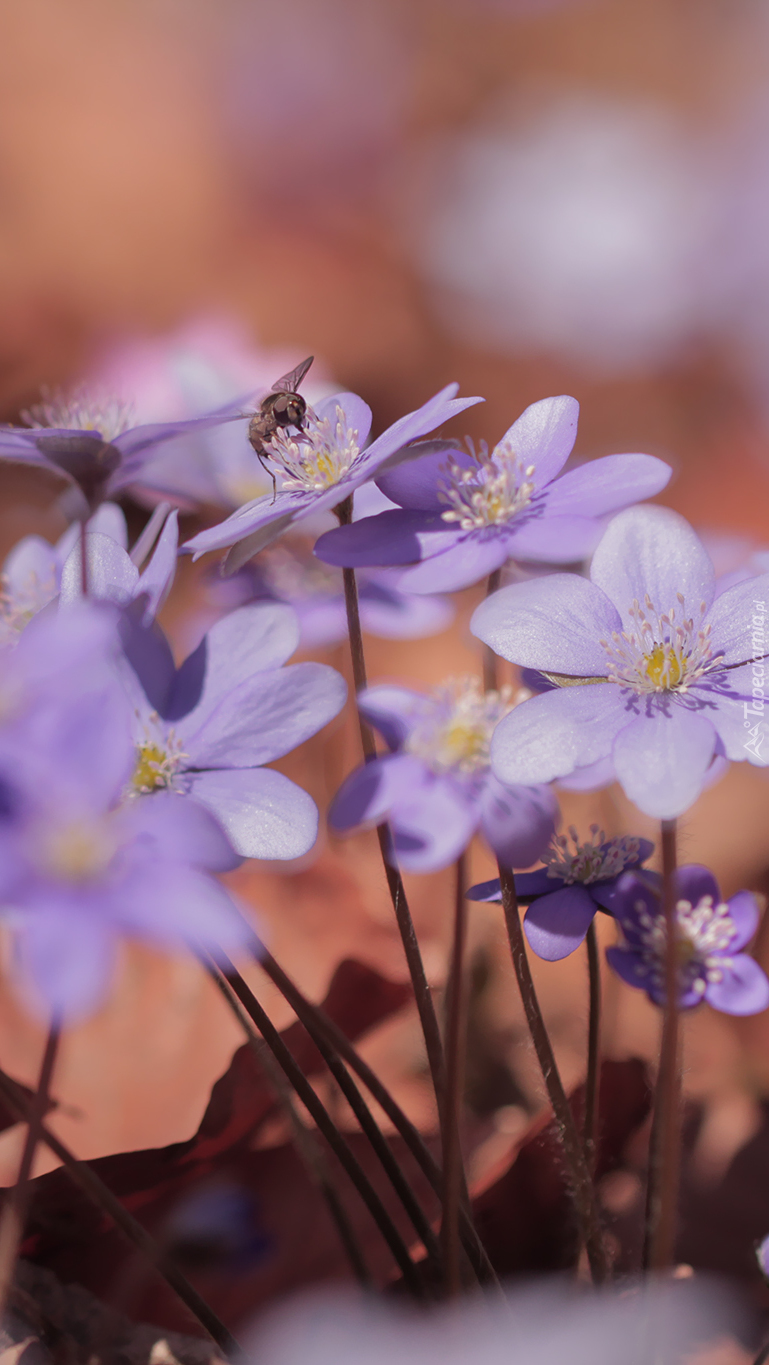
592, 1080
93, 1187
14, 1214
321, 1028
665, 1147
763, 1355
83, 558
453, 1171
304, 1140
490, 659
582, 1190
422, 994
318, 1112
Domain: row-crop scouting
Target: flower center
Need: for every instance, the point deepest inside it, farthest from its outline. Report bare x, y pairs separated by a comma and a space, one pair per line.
317, 458
490, 495
704, 932
293, 572
158, 760
597, 860
664, 652
455, 724
79, 851
81, 410
18, 605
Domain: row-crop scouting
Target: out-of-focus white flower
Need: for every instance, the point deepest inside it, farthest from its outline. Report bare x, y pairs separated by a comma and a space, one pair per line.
538, 1326
583, 228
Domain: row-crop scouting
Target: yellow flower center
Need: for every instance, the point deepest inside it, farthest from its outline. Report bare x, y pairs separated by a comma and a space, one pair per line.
78, 852
664, 667
149, 772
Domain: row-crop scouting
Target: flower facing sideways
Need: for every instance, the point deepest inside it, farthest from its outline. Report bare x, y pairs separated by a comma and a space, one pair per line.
564, 895
435, 788
463, 514
710, 936
653, 670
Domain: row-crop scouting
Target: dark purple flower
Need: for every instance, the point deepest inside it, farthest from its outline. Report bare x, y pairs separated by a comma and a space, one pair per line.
462, 514
653, 669
563, 896
710, 934
318, 468
435, 787
91, 442
206, 729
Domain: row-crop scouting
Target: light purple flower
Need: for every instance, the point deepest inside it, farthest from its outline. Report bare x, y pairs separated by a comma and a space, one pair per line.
82, 866
435, 788
652, 668
113, 575
287, 571
463, 514
564, 895
91, 442
321, 466
204, 730
710, 935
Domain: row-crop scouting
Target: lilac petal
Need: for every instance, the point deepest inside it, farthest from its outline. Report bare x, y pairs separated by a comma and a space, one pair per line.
252, 639
745, 916
177, 906
264, 814
86, 747
517, 822
68, 956
322, 621
33, 563
743, 988
591, 777
396, 537
734, 633
651, 550
556, 925
158, 576
264, 514
693, 882
490, 891
469, 559
544, 436
263, 718
357, 414
736, 723
149, 656
607, 485
404, 617
109, 520
437, 410
111, 575
661, 760
369, 793
391, 710
555, 540
539, 883
551, 735
629, 966
136, 440
416, 483
554, 623
179, 829
432, 827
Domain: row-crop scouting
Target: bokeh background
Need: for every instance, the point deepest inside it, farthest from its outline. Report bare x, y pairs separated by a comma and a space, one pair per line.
528, 197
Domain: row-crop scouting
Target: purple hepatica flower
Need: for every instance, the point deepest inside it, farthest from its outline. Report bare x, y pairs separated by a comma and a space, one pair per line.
287, 571
90, 441
87, 866
462, 515
710, 934
204, 730
436, 788
114, 577
318, 468
563, 896
652, 668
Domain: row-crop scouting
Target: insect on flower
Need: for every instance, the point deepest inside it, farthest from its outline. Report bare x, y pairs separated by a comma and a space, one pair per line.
282, 407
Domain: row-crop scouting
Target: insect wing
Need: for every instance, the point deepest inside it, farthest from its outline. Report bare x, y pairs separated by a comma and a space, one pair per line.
291, 381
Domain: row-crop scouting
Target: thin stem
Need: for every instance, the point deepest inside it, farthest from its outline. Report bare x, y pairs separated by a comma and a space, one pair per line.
422, 994
325, 1123
490, 659
323, 1029
763, 1355
453, 1172
94, 1188
665, 1149
582, 1190
149, 535
592, 1080
14, 1214
83, 558
304, 1140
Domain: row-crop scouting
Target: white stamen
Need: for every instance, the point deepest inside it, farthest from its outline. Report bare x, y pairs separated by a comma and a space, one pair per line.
319, 457
593, 861
455, 724
159, 758
490, 495
666, 652
704, 932
81, 409
19, 604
